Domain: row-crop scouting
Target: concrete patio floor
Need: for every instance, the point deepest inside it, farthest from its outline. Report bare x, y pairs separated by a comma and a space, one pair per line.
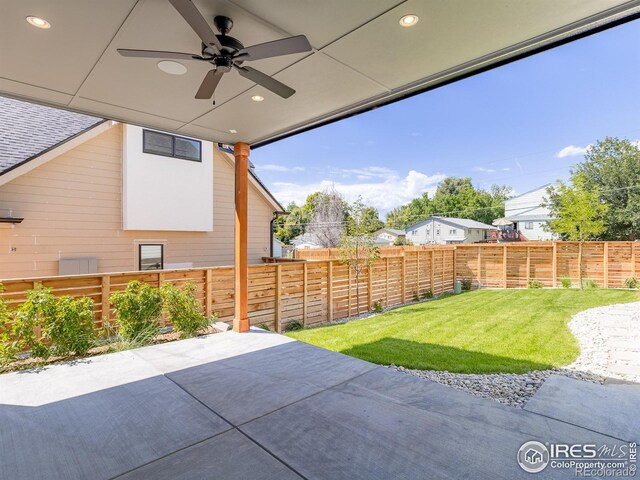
262, 406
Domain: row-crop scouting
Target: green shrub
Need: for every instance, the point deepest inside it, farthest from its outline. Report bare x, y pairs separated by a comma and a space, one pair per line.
66, 324
465, 283
416, 297
535, 284
565, 282
137, 310
377, 306
589, 283
427, 294
632, 283
293, 326
184, 310
444, 295
264, 326
72, 329
9, 347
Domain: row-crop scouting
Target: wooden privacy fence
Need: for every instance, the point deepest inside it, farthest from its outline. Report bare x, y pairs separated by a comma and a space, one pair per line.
324, 290
308, 292
512, 265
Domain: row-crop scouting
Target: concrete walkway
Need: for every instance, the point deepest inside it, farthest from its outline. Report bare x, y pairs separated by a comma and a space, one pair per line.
609, 340
262, 406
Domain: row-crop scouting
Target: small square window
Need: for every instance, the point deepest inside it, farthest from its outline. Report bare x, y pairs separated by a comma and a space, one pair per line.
437, 231
157, 143
452, 231
187, 149
528, 225
151, 256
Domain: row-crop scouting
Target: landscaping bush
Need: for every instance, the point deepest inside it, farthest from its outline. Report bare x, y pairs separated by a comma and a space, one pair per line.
565, 282
264, 326
293, 326
428, 294
377, 306
9, 347
632, 283
589, 283
137, 310
465, 284
184, 310
416, 297
535, 284
66, 324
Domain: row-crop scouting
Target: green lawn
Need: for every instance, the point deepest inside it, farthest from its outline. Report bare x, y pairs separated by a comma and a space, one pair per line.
486, 331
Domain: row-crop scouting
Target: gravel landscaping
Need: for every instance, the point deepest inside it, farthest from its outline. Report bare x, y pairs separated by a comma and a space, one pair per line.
509, 389
609, 339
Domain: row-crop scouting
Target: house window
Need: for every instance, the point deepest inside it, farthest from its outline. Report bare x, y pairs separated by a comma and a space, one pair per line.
437, 231
151, 256
171, 146
414, 232
452, 231
528, 225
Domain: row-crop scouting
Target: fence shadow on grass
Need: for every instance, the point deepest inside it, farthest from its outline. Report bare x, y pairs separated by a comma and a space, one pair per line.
429, 356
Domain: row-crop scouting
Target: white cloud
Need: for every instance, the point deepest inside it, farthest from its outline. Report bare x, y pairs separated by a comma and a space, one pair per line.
384, 193
271, 167
484, 170
506, 169
363, 173
572, 151
636, 143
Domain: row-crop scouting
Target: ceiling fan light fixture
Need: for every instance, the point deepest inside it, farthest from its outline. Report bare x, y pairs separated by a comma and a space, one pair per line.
233, 130
409, 20
257, 98
171, 67
38, 22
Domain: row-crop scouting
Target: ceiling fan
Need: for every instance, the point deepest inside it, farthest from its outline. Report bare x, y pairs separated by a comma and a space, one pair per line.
226, 53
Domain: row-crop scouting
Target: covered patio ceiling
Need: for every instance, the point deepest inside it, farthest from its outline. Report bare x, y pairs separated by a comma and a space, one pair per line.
361, 57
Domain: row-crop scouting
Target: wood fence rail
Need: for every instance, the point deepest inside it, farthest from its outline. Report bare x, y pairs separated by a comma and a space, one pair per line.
307, 292
325, 290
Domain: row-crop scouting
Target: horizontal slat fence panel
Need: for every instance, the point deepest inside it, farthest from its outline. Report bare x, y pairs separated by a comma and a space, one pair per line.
322, 289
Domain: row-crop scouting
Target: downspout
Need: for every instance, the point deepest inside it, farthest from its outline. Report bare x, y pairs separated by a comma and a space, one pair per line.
271, 223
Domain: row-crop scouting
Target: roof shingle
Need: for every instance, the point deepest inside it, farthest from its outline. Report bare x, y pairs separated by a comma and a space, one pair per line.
27, 129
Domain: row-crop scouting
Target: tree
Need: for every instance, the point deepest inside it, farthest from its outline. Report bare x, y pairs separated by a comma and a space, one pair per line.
613, 167
291, 225
454, 197
370, 220
330, 213
357, 248
578, 214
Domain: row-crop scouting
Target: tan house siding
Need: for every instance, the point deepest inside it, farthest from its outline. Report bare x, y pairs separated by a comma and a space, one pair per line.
72, 206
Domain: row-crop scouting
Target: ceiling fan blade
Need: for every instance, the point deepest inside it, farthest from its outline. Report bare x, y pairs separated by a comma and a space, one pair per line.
209, 84
266, 81
286, 46
128, 52
196, 21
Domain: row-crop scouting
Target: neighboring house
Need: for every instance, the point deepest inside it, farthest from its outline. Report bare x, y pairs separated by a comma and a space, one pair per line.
276, 249
387, 236
528, 215
444, 230
304, 241
97, 195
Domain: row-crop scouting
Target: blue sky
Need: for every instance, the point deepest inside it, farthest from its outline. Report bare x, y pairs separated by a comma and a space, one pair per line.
524, 125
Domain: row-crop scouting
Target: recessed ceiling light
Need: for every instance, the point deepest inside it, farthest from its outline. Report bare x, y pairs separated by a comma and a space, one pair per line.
233, 130
257, 98
409, 20
38, 22
174, 68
